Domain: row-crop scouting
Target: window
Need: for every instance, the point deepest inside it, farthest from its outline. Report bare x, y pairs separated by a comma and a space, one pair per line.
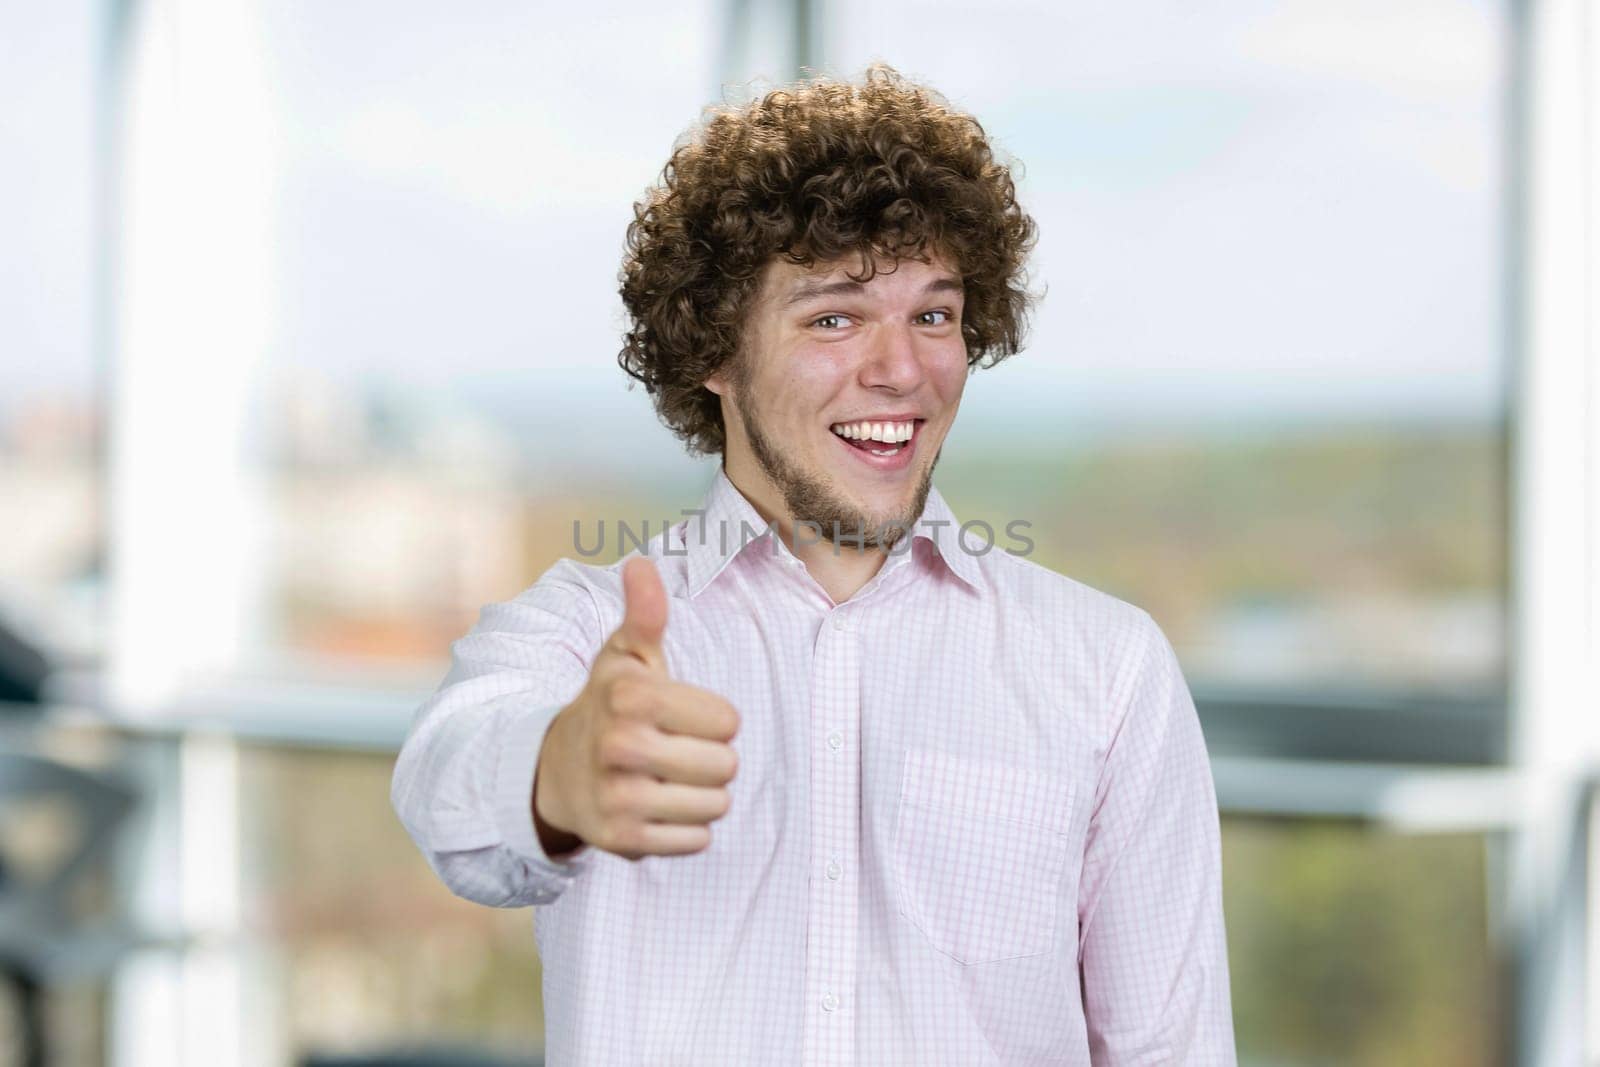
51, 534
1264, 396
1349, 944
444, 394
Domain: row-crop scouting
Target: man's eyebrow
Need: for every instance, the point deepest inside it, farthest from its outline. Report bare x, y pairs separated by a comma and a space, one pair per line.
813, 291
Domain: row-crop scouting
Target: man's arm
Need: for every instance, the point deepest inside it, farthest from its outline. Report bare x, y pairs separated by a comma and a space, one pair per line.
463, 783
1152, 948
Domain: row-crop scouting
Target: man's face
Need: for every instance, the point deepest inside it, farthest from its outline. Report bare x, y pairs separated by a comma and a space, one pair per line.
824, 354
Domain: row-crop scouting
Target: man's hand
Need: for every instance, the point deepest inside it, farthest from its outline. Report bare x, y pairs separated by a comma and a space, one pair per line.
638, 764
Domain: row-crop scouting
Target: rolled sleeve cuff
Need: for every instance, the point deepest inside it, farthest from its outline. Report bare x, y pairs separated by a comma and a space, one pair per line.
515, 764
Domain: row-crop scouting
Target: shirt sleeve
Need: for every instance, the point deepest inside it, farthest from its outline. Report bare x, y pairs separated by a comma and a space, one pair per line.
463, 782
1152, 947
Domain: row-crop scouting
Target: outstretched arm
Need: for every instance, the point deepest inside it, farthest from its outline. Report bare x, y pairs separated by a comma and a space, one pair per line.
463, 782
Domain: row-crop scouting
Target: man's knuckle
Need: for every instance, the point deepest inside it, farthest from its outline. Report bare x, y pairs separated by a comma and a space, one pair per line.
616, 748
634, 838
617, 797
628, 695
616, 835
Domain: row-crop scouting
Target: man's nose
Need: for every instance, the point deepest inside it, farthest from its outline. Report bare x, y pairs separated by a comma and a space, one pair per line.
891, 360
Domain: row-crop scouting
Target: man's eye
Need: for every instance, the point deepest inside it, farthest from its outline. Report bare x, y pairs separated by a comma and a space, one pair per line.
936, 322
830, 322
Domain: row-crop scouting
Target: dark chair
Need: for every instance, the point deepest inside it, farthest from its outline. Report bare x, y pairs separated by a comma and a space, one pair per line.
23, 669
42, 943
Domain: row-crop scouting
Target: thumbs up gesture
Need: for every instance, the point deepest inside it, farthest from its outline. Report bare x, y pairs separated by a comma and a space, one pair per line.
638, 764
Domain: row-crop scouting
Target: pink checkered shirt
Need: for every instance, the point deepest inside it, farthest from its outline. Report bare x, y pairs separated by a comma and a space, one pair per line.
973, 823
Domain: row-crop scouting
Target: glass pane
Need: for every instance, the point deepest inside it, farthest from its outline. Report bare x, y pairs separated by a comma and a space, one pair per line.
68, 808
454, 197
1264, 394
51, 539
53, 993
360, 947
1354, 946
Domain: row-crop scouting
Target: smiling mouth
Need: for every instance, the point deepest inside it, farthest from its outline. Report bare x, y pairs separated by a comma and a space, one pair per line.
879, 439
884, 448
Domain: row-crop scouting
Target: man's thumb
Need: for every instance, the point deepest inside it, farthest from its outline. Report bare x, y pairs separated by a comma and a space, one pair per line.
644, 612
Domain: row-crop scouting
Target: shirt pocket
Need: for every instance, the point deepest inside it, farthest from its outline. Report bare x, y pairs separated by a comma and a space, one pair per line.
979, 852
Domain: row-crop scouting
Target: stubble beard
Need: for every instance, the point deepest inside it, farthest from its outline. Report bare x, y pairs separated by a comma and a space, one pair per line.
811, 499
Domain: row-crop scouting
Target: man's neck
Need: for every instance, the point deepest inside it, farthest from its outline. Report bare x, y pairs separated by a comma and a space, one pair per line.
841, 570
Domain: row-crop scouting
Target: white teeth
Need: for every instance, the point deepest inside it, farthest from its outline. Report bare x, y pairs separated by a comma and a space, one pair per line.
887, 432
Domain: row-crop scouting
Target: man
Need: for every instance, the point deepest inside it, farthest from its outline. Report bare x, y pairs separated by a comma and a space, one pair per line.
814, 778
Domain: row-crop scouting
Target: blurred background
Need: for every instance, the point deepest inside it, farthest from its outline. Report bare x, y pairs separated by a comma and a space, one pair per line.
308, 326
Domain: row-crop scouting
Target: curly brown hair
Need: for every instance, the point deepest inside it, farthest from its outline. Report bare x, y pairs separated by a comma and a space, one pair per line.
814, 172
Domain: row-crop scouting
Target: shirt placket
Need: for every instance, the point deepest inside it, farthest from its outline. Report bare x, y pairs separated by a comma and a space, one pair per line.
831, 948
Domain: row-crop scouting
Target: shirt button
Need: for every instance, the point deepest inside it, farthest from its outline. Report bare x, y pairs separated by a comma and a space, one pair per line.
841, 623
836, 740
829, 1001
834, 870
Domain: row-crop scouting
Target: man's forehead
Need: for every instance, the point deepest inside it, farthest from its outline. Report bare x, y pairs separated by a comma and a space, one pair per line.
784, 277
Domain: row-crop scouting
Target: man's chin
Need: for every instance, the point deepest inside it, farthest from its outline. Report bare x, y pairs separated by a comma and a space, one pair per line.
891, 505
881, 522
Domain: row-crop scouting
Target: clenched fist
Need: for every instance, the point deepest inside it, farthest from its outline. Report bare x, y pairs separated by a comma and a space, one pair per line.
639, 763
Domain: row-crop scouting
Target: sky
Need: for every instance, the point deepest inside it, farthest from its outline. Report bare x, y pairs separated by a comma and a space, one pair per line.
47, 97
1248, 212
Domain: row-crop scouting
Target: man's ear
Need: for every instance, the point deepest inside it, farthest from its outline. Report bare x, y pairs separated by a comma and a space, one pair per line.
717, 382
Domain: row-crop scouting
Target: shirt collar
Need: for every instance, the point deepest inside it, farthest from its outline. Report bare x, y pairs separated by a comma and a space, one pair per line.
727, 524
